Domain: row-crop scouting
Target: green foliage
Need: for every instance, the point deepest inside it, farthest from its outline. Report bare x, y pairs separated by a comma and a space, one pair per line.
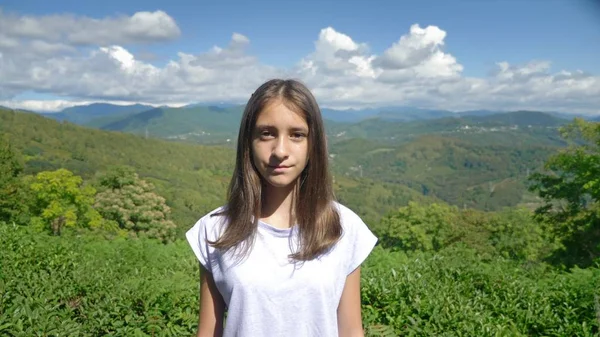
456, 293
132, 203
116, 177
12, 207
371, 199
192, 178
423, 228
82, 286
515, 234
466, 173
511, 233
570, 188
62, 201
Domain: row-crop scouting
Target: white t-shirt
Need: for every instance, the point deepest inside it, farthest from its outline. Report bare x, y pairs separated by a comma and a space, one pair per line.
266, 294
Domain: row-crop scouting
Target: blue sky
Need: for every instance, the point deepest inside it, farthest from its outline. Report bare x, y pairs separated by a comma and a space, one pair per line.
478, 35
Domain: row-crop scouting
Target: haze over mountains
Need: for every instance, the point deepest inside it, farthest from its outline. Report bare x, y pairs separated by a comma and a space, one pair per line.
84, 114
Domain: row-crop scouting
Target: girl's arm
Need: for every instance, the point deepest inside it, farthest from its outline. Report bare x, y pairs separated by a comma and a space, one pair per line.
210, 321
349, 309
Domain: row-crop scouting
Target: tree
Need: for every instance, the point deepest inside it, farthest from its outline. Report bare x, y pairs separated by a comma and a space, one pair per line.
61, 200
570, 189
421, 227
515, 234
132, 203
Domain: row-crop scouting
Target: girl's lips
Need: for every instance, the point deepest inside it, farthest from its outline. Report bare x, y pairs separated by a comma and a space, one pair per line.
279, 168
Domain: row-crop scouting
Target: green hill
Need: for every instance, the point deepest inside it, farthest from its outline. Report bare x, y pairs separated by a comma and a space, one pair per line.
525, 127
193, 178
522, 118
202, 124
478, 166
458, 171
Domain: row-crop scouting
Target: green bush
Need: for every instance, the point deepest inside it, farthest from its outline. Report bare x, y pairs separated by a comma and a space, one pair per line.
512, 232
82, 286
131, 202
456, 293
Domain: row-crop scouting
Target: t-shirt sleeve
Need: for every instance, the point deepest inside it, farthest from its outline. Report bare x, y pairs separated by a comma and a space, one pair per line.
196, 237
362, 242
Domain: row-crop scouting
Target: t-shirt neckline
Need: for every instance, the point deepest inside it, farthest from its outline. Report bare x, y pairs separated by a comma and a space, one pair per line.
280, 232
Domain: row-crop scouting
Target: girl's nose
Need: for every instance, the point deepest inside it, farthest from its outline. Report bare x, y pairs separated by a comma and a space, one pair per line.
281, 148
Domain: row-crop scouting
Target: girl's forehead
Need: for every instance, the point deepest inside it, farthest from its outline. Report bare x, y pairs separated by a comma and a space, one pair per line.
279, 112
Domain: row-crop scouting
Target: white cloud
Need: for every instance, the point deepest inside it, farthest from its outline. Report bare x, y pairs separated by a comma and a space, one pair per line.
46, 54
57, 105
74, 30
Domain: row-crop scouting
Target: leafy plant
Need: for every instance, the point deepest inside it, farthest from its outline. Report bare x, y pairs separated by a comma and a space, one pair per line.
132, 203
61, 200
570, 188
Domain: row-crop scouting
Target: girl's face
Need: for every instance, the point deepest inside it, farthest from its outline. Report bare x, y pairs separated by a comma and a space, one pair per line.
280, 144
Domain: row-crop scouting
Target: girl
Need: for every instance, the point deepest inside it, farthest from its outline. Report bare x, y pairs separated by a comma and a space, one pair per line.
282, 257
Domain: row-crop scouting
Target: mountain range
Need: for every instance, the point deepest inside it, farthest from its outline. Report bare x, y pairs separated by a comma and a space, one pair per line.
478, 159
86, 114
218, 123
83, 114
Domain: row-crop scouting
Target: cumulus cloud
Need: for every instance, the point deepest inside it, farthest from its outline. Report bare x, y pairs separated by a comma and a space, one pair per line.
141, 27
57, 105
113, 73
93, 62
415, 70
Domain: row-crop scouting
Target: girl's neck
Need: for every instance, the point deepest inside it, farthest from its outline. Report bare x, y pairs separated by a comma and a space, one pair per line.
278, 205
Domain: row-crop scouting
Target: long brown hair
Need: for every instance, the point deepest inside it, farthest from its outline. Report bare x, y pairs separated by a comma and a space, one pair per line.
316, 215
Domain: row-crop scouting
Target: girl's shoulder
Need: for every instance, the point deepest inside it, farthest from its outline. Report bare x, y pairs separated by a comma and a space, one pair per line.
357, 239
211, 224
208, 228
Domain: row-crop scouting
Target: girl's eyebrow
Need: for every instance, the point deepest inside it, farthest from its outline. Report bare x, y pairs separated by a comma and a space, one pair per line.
271, 126
299, 128
264, 126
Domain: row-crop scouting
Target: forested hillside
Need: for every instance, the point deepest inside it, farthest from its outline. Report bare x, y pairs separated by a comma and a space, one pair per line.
458, 171
469, 160
193, 178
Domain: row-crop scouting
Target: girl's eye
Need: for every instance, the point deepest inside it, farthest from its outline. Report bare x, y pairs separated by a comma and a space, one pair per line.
298, 135
265, 133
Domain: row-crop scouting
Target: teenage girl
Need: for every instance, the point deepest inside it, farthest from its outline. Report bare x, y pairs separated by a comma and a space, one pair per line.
282, 257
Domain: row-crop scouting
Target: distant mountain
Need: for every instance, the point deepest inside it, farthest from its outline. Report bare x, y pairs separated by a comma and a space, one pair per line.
389, 113
408, 114
348, 115
523, 126
213, 104
478, 113
201, 123
520, 118
84, 114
